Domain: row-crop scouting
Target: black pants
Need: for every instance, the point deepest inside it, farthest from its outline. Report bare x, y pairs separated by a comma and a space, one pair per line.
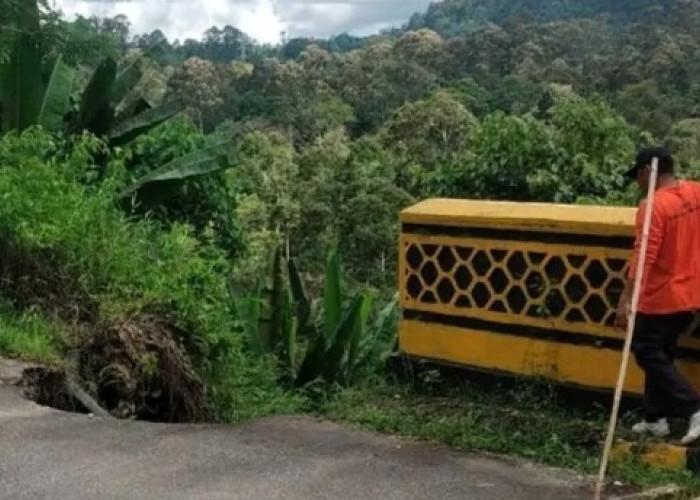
666, 392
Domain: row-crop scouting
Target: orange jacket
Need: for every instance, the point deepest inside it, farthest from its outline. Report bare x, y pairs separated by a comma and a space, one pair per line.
671, 281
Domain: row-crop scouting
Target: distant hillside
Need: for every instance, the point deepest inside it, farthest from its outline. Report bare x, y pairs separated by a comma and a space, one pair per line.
455, 17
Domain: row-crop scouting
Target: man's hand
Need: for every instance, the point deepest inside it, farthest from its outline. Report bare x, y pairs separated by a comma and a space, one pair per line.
623, 312
623, 307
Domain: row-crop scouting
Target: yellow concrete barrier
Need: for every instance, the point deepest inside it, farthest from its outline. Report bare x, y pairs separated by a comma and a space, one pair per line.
522, 288
665, 456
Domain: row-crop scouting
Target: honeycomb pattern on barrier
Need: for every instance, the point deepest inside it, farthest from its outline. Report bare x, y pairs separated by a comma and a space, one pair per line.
545, 284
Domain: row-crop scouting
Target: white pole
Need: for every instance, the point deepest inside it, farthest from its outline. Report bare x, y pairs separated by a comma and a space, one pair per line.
630, 329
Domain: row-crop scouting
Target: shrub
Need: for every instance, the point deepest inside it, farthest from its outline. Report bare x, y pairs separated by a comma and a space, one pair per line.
205, 202
129, 267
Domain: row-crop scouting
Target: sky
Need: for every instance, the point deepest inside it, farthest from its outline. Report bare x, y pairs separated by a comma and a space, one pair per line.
263, 20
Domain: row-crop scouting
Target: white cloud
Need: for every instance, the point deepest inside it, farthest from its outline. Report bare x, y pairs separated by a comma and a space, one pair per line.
261, 19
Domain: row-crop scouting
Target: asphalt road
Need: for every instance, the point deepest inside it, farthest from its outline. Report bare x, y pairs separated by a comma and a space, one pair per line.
47, 454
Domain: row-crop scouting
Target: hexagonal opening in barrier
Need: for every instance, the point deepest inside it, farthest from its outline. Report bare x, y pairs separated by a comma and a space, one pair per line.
429, 298
575, 316
481, 263
413, 286
596, 274
576, 261
537, 311
555, 303
413, 257
446, 290
498, 280
535, 285
463, 302
498, 255
516, 299
429, 273
498, 306
463, 277
616, 265
536, 258
555, 270
481, 295
595, 308
613, 291
464, 253
516, 265
446, 259
575, 288
429, 250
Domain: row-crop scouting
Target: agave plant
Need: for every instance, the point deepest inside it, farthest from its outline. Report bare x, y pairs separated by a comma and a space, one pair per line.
333, 342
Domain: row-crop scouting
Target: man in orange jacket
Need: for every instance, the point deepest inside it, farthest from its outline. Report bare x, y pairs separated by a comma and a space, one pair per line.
670, 293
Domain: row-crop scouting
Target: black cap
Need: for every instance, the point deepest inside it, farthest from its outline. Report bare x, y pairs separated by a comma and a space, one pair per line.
645, 157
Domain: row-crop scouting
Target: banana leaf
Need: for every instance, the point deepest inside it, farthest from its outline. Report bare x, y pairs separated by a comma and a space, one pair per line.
125, 82
55, 102
96, 114
132, 127
202, 161
129, 108
20, 84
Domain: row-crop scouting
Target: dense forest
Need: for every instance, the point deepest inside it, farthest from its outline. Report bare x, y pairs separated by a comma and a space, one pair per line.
513, 100
163, 178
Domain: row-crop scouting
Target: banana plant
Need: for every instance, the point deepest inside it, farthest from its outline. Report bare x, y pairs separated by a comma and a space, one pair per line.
333, 344
104, 107
33, 90
108, 108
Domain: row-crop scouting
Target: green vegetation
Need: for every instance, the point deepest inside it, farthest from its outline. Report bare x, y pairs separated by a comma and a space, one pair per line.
30, 337
517, 421
101, 264
524, 420
336, 345
145, 184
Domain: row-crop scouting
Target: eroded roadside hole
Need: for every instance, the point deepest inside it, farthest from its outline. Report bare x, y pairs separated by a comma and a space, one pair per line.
47, 386
135, 368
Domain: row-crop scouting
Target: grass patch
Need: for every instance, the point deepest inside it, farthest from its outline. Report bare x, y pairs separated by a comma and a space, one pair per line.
30, 337
523, 420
